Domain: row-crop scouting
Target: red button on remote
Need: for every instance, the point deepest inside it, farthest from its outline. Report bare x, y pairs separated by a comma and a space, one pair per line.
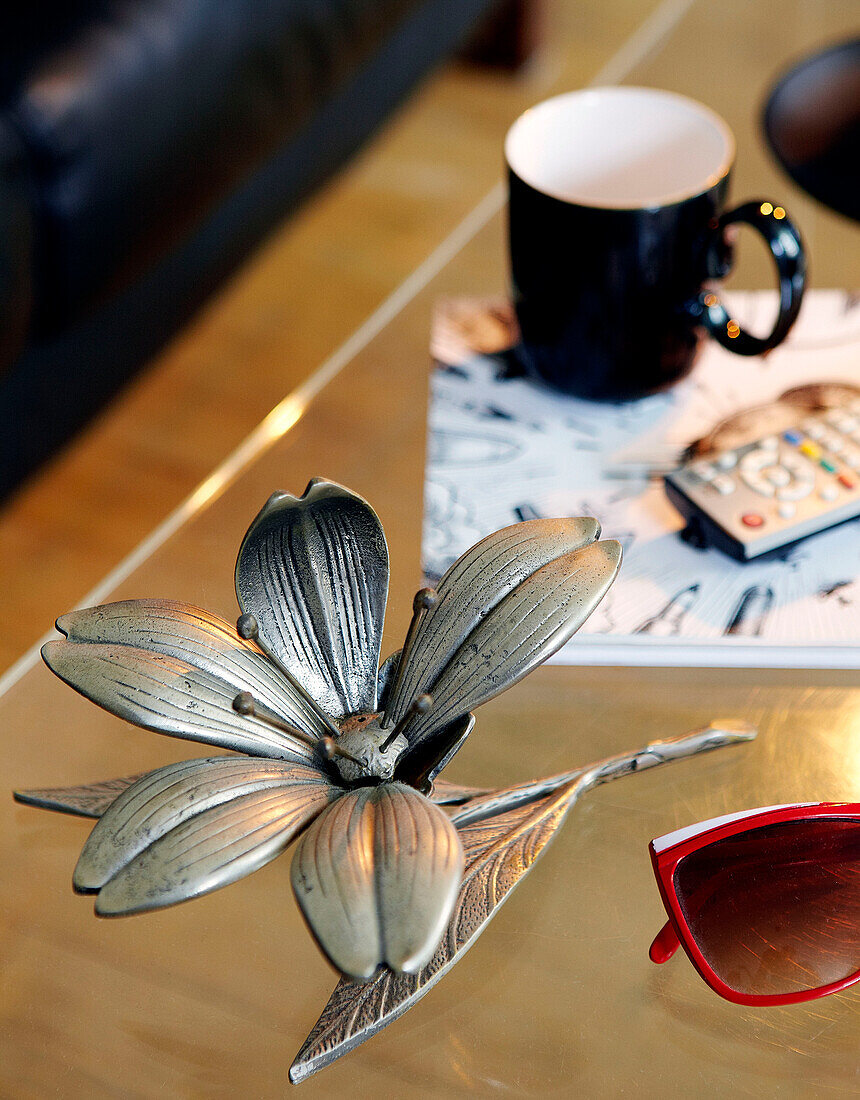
752, 519
846, 481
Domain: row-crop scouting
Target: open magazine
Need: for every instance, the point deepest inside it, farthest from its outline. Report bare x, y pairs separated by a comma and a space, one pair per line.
503, 449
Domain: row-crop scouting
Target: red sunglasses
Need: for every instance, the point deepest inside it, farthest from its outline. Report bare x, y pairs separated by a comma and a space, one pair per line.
766, 903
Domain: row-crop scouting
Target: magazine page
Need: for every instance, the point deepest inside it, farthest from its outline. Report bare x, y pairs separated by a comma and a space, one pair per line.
502, 449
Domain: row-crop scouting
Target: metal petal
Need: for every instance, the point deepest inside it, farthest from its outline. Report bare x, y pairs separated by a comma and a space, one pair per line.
475, 584
202, 640
419, 864
524, 628
313, 571
376, 877
333, 880
422, 762
162, 800
385, 678
168, 695
213, 848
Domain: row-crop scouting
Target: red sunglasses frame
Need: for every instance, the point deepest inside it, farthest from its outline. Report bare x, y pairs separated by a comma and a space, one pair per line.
668, 851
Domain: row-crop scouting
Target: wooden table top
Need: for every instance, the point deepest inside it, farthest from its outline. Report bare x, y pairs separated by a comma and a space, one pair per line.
215, 997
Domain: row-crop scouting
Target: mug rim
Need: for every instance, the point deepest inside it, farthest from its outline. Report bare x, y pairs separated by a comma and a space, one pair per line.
632, 92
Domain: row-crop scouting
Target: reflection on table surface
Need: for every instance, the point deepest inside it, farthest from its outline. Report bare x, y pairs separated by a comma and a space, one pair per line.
214, 998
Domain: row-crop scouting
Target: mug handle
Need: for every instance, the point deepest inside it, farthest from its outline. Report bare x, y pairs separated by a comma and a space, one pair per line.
786, 246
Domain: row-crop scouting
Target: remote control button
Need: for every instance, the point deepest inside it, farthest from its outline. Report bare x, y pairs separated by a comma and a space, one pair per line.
842, 421
755, 460
769, 443
813, 428
845, 480
799, 470
757, 483
728, 460
811, 450
853, 460
777, 475
793, 437
752, 519
832, 442
724, 485
797, 491
827, 465
704, 470
829, 492
787, 510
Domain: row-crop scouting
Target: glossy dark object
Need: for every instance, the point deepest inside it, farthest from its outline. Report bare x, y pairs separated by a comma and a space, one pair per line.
812, 124
612, 302
776, 910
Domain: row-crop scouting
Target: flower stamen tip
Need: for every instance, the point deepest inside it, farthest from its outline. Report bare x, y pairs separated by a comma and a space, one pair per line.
244, 703
425, 600
247, 627
421, 704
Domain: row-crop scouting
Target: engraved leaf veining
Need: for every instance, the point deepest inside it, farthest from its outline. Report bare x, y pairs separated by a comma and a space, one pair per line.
168, 695
161, 801
213, 848
313, 571
200, 639
503, 833
498, 852
83, 800
295, 687
475, 584
525, 627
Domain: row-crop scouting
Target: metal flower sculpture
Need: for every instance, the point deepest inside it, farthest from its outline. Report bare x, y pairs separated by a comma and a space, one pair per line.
395, 871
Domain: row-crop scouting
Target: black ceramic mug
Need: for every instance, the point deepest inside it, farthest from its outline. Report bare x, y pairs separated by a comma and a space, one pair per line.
617, 230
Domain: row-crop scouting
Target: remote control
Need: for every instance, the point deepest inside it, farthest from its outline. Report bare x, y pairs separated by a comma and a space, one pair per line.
755, 500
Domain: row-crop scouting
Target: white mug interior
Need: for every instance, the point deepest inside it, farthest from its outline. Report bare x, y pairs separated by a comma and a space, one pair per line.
620, 148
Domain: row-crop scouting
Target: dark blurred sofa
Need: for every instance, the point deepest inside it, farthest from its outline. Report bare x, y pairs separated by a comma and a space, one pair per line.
146, 146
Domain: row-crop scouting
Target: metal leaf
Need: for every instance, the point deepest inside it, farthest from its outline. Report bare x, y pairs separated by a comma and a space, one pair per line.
313, 571
84, 800
92, 799
445, 793
525, 627
474, 585
202, 640
376, 876
213, 848
168, 695
498, 851
162, 800
503, 833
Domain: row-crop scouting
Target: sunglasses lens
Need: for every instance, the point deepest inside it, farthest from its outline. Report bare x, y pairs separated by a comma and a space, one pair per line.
776, 910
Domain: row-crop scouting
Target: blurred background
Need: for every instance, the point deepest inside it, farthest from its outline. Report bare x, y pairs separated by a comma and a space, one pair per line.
200, 200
